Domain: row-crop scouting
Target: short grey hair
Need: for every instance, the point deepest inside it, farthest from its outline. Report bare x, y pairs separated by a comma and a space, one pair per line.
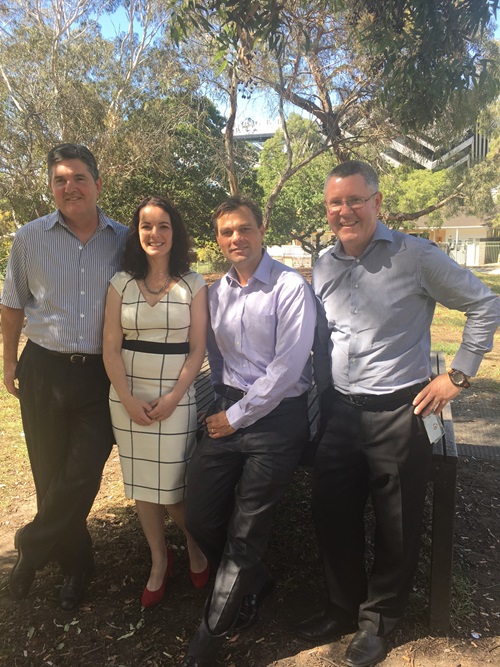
353, 167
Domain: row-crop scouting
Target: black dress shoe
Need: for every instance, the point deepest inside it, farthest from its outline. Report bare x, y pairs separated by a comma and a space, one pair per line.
322, 628
22, 575
72, 592
191, 661
250, 606
365, 650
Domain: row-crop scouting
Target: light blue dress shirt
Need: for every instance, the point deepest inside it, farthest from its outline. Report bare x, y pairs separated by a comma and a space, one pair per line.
375, 313
61, 283
260, 338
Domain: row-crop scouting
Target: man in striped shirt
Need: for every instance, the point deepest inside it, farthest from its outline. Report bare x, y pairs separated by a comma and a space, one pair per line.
57, 277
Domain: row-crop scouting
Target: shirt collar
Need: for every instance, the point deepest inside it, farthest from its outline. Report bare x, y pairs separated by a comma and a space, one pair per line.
381, 233
102, 219
262, 272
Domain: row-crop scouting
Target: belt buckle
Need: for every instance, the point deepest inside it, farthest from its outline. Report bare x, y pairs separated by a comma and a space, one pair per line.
358, 401
77, 359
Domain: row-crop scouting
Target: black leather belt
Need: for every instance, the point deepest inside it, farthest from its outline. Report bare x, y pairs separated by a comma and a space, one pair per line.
228, 392
155, 348
383, 401
78, 358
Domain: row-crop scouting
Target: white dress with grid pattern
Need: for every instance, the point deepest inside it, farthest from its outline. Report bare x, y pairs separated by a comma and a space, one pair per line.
154, 458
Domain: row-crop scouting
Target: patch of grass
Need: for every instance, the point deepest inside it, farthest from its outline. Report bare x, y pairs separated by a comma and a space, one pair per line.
14, 465
448, 348
492, 280
447, 329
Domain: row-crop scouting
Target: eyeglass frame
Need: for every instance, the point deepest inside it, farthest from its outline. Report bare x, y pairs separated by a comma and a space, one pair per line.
345, 202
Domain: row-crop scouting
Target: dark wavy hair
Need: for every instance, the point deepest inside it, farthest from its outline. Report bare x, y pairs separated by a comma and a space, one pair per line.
134, 259
63, 152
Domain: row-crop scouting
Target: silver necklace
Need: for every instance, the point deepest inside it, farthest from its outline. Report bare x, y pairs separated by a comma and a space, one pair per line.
162, 288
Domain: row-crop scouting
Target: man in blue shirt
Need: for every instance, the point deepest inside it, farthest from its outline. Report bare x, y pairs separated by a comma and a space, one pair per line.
57, 277
262, 317
377, 289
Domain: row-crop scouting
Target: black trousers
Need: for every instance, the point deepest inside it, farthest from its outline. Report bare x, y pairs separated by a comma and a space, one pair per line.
384, 454
234, 486
68, 433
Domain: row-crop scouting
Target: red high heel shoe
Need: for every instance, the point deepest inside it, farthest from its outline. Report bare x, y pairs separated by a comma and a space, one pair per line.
150, 598
200, 579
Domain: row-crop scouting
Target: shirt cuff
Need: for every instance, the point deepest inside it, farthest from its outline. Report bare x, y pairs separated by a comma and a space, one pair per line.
467, 362
235, 416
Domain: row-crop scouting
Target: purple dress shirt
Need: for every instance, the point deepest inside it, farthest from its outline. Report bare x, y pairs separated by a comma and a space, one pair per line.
260, 338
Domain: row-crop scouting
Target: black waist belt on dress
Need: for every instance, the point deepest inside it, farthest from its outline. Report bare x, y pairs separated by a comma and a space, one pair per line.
78, 358
383, 401
228, 392
155, 348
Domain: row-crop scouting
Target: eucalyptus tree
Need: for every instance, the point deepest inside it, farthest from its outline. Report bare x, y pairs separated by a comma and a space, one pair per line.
364, 70
61, 80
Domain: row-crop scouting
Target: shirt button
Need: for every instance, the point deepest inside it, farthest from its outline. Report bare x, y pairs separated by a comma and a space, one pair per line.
80, 247
83, 270
82, 292
82, 315
356, 285
358, 261
355, 311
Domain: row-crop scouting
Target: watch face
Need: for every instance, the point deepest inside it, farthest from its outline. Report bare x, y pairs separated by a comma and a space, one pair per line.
458, 378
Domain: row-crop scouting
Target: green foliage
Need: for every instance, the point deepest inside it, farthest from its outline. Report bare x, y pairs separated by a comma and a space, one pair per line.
407, 190
211, 254
361, 70
228, 20
431, 55
7, 228
299, 210
51, 93
174, 147
484, 177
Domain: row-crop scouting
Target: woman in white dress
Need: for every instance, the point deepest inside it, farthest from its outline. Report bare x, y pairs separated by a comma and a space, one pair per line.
154, 345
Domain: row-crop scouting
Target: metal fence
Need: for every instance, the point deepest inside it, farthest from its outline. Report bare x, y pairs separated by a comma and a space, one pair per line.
473, 253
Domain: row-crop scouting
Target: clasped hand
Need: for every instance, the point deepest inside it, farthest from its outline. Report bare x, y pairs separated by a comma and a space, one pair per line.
144, 413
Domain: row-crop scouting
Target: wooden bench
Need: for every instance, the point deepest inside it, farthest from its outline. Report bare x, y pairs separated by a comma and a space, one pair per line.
443, 479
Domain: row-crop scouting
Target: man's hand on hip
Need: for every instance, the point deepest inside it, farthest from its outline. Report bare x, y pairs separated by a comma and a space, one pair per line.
435, 396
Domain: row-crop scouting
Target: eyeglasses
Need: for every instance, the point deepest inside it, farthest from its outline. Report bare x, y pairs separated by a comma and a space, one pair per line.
354, 203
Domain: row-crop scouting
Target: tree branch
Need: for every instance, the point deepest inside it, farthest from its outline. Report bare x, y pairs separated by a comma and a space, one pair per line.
401, 217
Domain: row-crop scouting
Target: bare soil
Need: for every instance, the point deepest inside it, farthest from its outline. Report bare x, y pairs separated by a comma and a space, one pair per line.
111, 628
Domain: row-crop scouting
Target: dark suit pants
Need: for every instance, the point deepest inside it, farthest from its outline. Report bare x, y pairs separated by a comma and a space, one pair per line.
384, 454
234, 486
68, 433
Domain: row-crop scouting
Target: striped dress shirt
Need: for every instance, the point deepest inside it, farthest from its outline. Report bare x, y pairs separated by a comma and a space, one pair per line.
61, 283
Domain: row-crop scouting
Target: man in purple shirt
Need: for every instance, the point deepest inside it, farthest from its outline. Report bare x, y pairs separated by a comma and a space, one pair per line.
262, 327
